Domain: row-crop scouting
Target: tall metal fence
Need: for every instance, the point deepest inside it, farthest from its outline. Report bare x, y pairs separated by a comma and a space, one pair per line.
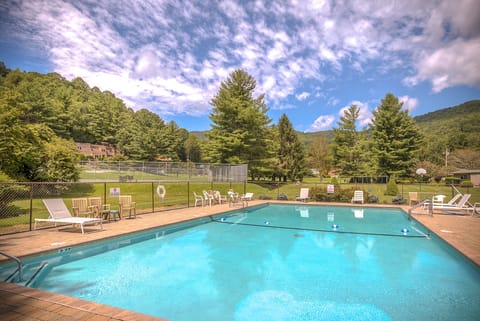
134, 171
21, 203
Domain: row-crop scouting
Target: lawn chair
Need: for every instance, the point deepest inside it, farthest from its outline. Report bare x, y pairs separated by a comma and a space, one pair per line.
80, 207
357, 197
59, 214
303, 197
126, 205
198, 198
101, 210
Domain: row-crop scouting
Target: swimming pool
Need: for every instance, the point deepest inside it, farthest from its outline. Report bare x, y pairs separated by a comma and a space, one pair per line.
275, 262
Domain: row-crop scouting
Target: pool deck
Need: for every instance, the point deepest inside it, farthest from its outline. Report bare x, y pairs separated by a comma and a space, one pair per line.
22, 303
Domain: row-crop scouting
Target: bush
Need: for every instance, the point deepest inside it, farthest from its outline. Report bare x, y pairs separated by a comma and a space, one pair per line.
452, 180
282, 197
398, 199
340, 195
466, 184
264, 197
392, 188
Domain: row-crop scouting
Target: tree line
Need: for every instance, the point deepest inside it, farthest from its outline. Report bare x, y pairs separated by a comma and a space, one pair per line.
42, 115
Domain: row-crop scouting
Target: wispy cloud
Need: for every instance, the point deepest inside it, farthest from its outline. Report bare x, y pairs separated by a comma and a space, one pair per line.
170, 56
302, 96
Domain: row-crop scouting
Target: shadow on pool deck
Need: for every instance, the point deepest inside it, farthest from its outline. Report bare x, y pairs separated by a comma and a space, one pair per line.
21, 303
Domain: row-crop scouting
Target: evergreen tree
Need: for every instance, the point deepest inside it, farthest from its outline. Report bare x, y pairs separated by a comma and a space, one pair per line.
347, 152
291, 152
240, 131
396, 138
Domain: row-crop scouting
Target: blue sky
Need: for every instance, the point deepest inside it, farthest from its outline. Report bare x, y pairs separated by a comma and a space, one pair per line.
312, 59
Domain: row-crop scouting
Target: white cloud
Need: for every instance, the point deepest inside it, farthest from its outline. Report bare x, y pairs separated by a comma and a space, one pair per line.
171, 55
302, 96
446, 68
409, 103
321, 123
364, 115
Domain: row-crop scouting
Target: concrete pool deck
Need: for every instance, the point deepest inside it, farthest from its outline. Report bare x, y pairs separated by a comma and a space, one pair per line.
22, 303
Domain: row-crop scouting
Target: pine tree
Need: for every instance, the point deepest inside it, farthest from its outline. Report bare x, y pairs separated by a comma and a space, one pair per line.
396, 138
240, 131
347, 152
291, 152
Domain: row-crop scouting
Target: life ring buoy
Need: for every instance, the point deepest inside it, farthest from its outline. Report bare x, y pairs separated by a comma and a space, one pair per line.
161, 191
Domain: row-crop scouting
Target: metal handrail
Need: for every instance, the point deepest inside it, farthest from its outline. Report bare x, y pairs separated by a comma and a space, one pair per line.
427, 202
19, 262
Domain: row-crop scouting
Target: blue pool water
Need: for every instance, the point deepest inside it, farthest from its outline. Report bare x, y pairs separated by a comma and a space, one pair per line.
276, 262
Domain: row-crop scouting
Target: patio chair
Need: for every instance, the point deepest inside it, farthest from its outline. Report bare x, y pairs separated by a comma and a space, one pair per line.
357, 197
208, 196
219, 198
127, 205
247, 197
198, 198
413, 198
233, 198
80, 207
59, 214
303, 197
100, 210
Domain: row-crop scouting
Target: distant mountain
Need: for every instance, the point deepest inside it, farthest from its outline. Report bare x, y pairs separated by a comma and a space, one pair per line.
457, 113
455, 127
461, 121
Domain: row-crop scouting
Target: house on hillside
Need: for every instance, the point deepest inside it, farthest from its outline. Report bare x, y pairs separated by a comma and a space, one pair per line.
472, 175
97, 151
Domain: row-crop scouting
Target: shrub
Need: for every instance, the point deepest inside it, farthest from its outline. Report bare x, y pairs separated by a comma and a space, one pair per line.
264, 197
452, 180
392, 188
466, 184
282, 197
372, 199
340, 195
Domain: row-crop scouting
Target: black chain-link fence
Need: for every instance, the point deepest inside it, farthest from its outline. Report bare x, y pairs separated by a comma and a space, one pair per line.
21, 203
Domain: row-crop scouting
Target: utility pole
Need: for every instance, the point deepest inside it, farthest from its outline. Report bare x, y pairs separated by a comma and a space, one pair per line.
446, 156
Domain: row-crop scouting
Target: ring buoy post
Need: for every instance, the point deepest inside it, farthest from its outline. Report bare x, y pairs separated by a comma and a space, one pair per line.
161, 191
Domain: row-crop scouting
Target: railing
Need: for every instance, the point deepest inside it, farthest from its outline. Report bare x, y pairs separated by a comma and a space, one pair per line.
425, 203
19, 263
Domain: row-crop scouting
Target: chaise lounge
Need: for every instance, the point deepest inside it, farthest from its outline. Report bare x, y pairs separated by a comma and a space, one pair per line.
59, 214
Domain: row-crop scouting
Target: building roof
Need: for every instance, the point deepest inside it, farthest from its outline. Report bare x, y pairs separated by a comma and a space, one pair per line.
467, 171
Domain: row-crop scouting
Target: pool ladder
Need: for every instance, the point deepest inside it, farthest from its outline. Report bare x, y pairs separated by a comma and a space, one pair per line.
425, 203
19, 268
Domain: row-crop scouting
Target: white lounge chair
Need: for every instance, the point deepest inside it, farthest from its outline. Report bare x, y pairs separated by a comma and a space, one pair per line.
453, 200
462, 205
59, 214
303, 197
357, 197
247, 197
